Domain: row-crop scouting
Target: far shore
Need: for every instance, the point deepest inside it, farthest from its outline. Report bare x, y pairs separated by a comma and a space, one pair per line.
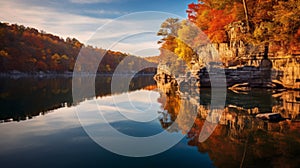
18, 74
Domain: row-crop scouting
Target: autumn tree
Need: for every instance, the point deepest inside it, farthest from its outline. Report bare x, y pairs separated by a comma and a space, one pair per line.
268, 22
286, 26
168, 32
211, 16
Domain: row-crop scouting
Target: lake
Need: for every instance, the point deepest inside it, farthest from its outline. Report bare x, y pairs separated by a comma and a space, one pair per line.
41, 125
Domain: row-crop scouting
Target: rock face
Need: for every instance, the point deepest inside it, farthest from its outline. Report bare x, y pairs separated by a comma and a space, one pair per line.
254, 76
278, 73
288, 72
285, 68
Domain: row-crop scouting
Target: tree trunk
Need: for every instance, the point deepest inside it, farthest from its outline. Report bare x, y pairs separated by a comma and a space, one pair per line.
266, 52
246, 15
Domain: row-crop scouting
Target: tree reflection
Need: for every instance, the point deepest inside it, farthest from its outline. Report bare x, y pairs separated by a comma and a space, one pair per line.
24, 98
240, 139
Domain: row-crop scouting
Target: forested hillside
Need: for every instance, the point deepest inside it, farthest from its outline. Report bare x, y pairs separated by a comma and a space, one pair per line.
29, 50
238, 29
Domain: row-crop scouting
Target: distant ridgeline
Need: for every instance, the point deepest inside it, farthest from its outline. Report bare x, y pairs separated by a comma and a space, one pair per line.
27, 50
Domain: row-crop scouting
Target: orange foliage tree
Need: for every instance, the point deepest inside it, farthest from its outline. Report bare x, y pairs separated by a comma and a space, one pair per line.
211, 16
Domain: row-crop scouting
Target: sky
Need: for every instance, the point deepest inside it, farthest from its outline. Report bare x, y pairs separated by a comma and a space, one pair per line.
121, 25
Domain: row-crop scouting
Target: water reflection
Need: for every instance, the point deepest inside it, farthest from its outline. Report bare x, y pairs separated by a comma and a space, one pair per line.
24, 98
59, 136
240, 139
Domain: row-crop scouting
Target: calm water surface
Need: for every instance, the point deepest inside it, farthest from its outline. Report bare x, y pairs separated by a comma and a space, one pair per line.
39, 126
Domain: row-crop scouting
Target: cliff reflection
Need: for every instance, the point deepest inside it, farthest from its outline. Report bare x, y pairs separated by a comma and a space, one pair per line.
240, 139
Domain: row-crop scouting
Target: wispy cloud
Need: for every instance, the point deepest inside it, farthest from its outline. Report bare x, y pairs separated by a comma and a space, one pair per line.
144, 49
91, 1
62, 24
106, 12
130, 35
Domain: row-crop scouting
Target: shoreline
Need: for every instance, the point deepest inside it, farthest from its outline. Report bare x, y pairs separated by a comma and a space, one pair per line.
17, 75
